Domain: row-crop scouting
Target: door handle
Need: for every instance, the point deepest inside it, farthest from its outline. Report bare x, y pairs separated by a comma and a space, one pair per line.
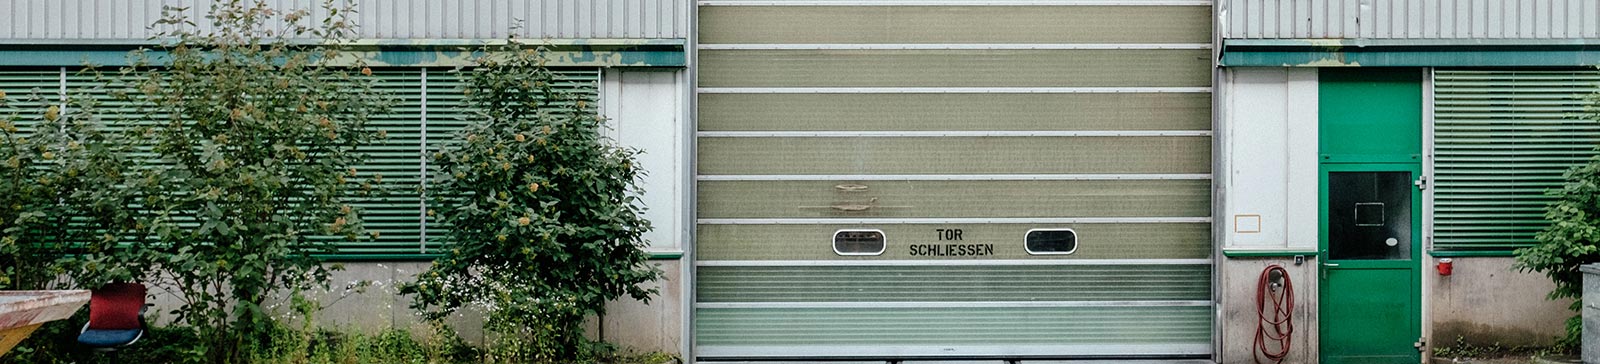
1330, 264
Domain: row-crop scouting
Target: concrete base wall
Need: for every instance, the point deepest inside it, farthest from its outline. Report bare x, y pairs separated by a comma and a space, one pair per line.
1238, 287
632, 325
1484, 302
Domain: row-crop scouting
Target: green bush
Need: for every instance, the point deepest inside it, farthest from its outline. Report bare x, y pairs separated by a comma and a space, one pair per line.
542, 211
1573, 237
60, 208
255, 135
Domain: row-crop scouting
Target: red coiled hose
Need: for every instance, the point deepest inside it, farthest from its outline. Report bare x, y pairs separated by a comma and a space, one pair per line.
1280, 322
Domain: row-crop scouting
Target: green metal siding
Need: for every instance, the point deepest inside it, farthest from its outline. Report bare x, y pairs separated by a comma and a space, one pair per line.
1501, 139
398, 213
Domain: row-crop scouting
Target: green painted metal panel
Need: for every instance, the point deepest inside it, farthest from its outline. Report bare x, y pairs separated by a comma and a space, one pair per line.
1478, 52
954, 24
955, 68
1503, 138
940, 112
1369, 289
1377, 316
958, 284
1348, 100
1164, 198
815, 242
28, 92
934, 155
831, 327
396, 214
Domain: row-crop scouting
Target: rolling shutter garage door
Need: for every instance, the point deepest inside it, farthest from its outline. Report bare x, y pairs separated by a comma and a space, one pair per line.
1501, 139
933, 140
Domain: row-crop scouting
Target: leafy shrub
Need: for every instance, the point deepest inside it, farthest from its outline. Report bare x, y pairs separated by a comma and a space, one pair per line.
542, 213
256, 137
60, 208
1573, 237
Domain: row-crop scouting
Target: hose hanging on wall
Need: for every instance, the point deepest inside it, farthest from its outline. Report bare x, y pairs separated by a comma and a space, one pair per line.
1274, 325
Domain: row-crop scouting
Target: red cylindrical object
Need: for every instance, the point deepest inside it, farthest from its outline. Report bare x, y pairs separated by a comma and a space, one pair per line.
1446, 266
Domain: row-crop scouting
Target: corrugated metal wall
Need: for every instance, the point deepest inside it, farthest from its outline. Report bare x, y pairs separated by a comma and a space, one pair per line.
378, 19
1410, 19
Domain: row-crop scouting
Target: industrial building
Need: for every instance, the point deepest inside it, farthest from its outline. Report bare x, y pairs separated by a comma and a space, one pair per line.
885, 180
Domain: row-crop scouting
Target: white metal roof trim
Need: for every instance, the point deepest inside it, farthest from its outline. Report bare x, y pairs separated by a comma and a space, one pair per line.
1409, 19
385, 19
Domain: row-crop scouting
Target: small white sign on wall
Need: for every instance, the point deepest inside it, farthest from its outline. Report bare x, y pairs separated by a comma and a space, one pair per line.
1247, 223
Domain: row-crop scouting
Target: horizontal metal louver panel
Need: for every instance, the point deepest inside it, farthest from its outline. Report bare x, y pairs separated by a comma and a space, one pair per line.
28, 92
1096, 241
1502, 139
1039, 331
397, 213
964, 284
955, 24
448, 112
1168, 198
955, 68
971, 111
955, 155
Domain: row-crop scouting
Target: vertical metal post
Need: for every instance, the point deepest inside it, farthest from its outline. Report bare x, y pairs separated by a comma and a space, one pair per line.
1427, 213
422, 161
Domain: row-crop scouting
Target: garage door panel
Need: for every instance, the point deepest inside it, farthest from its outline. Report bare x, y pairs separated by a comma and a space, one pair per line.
939, 112
1126, 198
954, 155
976, 283
928, 331
955, 68
955, 24
1095, 241
945, 135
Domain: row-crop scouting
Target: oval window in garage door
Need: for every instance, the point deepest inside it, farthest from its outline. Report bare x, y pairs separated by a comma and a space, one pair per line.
1051, 241
858, 242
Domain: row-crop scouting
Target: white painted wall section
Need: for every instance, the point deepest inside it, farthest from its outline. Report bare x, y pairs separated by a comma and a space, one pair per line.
645, 112
1269, 156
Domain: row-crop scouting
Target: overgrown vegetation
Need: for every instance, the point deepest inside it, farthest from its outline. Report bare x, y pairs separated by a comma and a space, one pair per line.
233, 165
542, 211
255, 140
1464, 350
60, 208
1573, 237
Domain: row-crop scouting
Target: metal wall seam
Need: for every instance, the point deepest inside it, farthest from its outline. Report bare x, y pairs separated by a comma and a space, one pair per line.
951, 304
952, 262
960, 46
954, 177
948, 90
422, 160
941, 220
955, 3
952, 133
1408, 19
393, 19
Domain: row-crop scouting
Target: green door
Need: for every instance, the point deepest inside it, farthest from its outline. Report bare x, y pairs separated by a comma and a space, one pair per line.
1370, 142
1369, 305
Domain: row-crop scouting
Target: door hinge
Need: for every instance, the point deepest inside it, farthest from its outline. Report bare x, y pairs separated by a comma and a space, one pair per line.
1421, 344
1421, 183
